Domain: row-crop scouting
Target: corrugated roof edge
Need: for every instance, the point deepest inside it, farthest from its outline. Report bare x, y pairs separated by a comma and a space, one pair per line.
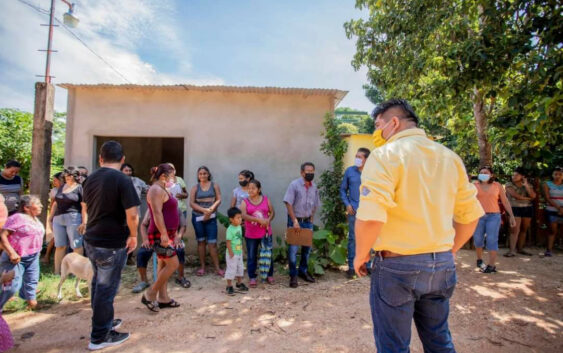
337, 94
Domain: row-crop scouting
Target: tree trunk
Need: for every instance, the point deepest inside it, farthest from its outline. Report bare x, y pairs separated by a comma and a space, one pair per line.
485, 152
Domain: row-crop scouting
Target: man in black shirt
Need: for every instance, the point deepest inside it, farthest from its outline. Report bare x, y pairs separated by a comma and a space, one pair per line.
111, 233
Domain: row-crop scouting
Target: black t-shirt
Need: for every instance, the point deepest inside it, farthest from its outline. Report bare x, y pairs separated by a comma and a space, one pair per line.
108, 193
69, 202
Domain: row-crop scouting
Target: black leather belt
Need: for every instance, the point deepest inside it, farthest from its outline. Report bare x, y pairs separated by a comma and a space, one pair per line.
306, 219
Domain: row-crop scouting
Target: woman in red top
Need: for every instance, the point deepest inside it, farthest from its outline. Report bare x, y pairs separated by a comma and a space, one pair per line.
163, 208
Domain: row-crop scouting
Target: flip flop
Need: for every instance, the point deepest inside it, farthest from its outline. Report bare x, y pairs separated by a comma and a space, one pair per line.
171, 304
151, 305
200, 272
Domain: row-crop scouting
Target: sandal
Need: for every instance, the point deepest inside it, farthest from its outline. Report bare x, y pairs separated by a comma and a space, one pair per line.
151, 305
220, 273
200, 272
184, 282
171, 304
271, 280
509, 254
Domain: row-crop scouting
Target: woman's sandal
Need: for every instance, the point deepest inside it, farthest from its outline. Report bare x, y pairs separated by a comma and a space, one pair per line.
200, 272
509, 254
151, 305
184, 282
220, 273
171, 304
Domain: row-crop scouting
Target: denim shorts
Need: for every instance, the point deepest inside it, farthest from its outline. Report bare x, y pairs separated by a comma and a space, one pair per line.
144, 256
205, 230
553, 217
65, 230
488, 225
523, 212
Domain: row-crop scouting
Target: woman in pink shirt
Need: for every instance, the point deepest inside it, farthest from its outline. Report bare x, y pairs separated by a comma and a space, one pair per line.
258, 213
22, 239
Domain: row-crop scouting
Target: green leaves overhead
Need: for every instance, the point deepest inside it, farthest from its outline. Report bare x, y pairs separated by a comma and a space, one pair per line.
437, 53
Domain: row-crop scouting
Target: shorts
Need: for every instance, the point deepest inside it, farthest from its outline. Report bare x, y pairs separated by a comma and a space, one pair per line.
523, 212
144, 256
489, 224
205, 230
553, 217
235, 266
154, 241
65, 230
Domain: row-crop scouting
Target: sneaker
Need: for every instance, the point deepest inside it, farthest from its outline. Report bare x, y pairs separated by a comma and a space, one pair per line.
481, 265
350, 274
293, 282
242, 287
489, 269
113, 338
307, 277
141, 287
547, 253
230, 290
115, 324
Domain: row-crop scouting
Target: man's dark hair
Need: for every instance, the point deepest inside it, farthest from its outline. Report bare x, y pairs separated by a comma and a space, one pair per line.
406, 109
557, 169
13, 164
127, 165
520, 171
307, 164
233, 211
111, 152
365, 151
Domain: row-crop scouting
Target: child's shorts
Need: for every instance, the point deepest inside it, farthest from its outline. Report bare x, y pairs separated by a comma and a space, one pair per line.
235, 266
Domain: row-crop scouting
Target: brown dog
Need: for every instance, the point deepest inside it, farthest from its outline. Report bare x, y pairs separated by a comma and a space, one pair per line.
79, 266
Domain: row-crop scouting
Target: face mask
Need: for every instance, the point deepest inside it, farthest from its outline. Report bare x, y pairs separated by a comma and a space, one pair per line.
243, 183
484, 177
358, 162
378, 139
309, 176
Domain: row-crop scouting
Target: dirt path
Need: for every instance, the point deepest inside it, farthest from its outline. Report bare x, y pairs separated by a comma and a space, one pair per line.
519, 309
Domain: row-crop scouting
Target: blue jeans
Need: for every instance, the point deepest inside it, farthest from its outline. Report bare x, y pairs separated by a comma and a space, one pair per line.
293, 249
65, 230
252, 246
488, 224
107, 265
25, 279
351, 240
407, 287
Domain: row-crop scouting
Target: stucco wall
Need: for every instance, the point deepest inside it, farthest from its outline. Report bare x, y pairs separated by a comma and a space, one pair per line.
270, 134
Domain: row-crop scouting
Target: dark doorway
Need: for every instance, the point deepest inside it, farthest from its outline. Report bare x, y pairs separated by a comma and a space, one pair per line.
143, 153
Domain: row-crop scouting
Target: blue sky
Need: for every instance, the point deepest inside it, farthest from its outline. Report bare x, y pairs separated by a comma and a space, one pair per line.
256, 43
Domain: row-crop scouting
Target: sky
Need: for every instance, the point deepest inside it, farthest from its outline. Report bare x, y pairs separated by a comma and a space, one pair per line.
286, 43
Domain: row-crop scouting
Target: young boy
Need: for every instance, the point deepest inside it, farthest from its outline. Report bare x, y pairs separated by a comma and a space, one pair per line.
235, 266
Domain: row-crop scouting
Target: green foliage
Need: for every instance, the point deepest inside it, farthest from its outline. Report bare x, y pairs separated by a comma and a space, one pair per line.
352, 121
332, 212
223, 219
329, 250
347, 128
444, 55
16, 131
279, 252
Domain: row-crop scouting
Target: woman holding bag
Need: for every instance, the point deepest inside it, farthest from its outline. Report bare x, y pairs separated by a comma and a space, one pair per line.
258, 213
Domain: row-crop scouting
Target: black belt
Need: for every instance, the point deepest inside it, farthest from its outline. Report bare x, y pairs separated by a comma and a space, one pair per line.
305, 219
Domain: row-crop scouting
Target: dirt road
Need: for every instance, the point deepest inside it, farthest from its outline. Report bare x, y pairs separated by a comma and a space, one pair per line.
518, 309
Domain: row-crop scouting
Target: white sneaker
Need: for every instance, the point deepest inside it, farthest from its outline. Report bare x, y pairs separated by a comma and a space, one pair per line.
114, 338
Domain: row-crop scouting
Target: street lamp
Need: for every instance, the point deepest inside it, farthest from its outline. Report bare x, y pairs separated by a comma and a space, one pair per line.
43, 118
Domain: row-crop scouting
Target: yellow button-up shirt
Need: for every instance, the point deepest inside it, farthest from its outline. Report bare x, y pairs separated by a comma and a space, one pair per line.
416, 187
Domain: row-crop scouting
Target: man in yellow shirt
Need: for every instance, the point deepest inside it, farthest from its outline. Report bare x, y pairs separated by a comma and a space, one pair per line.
417, 209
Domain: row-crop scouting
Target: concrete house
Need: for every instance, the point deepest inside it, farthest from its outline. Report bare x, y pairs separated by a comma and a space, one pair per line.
268, 130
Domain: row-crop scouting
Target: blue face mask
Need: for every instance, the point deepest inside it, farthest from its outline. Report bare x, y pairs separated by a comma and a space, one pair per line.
484, 177
358, 162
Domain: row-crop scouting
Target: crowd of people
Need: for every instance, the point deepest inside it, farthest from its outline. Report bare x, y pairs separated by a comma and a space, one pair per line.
98, 216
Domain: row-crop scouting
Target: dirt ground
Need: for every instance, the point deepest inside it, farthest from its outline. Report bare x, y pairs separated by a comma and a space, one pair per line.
518, 309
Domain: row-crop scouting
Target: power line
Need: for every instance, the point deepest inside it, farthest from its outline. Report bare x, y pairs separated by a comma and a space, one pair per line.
45, 12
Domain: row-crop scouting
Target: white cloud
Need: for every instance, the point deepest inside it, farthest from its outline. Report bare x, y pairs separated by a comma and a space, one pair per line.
113, 29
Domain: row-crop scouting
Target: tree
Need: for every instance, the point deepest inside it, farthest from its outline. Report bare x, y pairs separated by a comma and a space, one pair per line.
16, 130
347, 128
497, 62
332, 212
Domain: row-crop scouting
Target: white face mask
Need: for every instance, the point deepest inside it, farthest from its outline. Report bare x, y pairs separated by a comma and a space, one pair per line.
358, 162
484, 177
